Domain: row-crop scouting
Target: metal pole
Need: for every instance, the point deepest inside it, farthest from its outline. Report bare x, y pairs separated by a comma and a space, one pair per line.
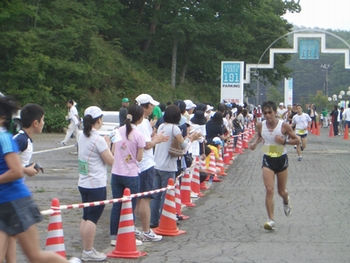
327, 80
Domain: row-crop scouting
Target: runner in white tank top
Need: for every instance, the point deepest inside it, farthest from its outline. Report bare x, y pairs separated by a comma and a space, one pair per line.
274, 134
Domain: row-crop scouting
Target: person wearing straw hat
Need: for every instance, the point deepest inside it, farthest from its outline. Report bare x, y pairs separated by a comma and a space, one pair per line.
274, 132
93, 155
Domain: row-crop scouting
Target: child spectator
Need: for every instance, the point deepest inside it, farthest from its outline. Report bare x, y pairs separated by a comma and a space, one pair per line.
18, 212
32, 123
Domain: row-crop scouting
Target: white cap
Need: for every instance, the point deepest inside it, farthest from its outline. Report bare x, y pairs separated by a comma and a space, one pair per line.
259, 106
145, 98
216, 140
209, 108
281, 104
93, 111
189, 104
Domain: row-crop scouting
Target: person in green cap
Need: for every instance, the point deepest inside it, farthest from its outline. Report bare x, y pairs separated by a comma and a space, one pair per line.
123, 111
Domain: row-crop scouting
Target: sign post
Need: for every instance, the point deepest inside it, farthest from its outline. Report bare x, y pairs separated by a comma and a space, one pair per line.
288, 91
232, 81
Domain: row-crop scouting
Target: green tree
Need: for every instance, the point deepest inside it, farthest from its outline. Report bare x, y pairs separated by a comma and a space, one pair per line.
273, 94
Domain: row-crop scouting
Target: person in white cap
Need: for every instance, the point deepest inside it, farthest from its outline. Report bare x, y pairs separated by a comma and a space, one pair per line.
208, 112
281, 111
190, 106
93, 155
147, 172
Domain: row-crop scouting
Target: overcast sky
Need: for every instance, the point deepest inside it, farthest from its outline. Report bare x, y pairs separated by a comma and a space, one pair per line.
326, 14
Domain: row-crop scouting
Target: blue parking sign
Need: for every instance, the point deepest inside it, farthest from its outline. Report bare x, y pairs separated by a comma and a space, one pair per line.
309, 49
231, 72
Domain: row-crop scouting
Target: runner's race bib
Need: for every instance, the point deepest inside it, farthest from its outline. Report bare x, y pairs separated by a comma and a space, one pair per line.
273, 150
83, 167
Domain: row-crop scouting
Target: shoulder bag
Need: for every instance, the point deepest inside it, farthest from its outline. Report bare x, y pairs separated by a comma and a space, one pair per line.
175, 149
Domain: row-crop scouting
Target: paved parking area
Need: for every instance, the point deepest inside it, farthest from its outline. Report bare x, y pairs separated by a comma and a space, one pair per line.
227, 224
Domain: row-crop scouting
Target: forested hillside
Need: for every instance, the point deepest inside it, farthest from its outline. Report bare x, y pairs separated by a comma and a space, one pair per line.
97, 51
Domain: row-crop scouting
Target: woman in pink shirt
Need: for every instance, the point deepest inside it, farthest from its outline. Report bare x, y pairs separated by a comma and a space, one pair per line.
125, 171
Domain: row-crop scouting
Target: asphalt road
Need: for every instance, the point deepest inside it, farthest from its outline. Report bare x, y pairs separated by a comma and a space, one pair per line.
227, 224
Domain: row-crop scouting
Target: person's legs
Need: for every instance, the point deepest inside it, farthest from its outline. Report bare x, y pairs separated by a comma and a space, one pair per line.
71, 128
144, 203
303, 142
117, 192
269, 181
335, 128
87, 234
164, 177
281, 185
4, 239
29, 242
76, 133
298, 147
155, 202
144, 212
11, 250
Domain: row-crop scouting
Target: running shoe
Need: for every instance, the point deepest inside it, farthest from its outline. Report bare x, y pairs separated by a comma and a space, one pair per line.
94, 255
150, 236
138, 242
301, 148
287, 208
62, 143
74, 260
138, 234
300, 158
295, 146
269, 225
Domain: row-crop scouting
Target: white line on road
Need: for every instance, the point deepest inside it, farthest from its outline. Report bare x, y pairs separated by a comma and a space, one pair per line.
53, 149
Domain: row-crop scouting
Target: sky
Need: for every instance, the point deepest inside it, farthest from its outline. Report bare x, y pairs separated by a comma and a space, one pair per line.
325, 14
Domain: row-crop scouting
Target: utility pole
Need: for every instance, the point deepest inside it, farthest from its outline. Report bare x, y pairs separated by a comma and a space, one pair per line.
326, 68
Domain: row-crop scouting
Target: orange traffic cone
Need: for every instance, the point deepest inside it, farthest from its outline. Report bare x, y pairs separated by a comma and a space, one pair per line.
331, 133
227, 159
212, 167
245, 140
202, 165
238, 148
318, 130
126, 242
195, 182
230, 148
185, 190
220, 165
313, 124
167, 224
55, 237
178, 203
346, 132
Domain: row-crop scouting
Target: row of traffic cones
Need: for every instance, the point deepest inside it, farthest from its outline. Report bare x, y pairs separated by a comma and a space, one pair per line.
126, 240
345, 131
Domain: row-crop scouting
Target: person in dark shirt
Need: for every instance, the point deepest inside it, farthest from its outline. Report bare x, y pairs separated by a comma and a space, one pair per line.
123, 111
214, 127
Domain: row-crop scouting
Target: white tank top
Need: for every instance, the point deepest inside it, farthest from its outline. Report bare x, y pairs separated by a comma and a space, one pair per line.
270, 146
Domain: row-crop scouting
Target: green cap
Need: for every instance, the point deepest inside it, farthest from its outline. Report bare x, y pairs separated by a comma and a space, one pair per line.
125, 100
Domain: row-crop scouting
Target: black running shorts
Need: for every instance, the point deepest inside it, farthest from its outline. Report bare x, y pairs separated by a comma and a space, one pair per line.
276, 164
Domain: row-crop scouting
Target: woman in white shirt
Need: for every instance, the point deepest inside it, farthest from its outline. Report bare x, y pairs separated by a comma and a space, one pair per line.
93, 155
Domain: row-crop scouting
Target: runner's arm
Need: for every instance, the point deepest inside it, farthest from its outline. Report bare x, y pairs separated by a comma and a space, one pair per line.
257, 137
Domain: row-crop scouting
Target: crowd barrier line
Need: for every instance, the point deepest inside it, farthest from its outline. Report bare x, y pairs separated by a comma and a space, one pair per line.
114, 200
